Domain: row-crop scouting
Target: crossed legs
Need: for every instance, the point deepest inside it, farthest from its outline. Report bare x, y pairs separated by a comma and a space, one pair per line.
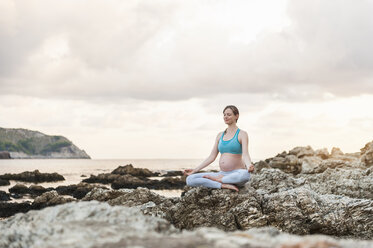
220, 179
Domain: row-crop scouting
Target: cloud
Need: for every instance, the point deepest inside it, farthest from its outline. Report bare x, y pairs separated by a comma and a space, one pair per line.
177, 50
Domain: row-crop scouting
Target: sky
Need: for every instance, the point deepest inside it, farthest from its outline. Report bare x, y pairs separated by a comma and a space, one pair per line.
150, 79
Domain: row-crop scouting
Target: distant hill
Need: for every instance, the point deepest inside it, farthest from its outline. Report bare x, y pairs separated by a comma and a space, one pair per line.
23, 143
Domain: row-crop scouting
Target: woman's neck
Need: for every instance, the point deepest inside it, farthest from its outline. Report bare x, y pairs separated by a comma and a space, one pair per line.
232, 128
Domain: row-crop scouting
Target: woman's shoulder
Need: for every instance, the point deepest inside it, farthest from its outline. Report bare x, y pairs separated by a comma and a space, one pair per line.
242, 132
219, 135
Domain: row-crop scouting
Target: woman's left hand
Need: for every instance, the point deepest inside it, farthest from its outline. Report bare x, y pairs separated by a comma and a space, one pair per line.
251, 168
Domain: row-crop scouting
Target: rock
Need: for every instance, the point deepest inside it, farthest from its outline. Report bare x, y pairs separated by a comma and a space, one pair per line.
106, 226
311, 165
148, 202
270, 181
169, 183
367, 154
78, 191
104, 178
302, 211
289, 164
19, 189
130, 170
4, 182
302, 151
33, 190
4, 155
172, 173
63, 225
11, 208
33, 176
336, 152
50, 198
131, 182
344, 182
4, 196
322, 153
260, 165
217, 208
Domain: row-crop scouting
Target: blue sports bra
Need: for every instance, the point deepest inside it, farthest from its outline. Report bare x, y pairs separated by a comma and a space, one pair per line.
230, 146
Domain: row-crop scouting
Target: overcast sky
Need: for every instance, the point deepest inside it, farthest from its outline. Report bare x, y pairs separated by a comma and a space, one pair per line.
150, 79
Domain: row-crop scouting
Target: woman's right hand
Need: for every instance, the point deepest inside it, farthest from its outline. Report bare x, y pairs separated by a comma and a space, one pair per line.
188, 172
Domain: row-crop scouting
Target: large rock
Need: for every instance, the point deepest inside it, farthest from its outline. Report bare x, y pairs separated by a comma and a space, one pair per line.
367, 154
50, 198
289, 164
77, 191
119, 181
4, 196
137, 172
4, 182
302, 151
344, 182
94, 224
33, 176
4, 155
217, 208
303, 211
307, 161
11, 208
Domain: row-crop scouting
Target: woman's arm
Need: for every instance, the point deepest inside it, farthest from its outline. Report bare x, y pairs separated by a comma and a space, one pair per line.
214, 153
245, 152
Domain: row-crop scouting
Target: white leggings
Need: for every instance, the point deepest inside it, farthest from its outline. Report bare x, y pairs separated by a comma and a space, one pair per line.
238, 177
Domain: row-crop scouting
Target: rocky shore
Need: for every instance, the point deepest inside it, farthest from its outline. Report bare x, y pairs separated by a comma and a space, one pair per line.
300, 198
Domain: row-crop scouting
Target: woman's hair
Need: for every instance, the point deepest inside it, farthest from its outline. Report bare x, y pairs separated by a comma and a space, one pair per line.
235, 112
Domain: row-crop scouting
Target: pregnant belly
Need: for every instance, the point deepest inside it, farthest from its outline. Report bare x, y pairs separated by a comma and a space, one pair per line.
228, 162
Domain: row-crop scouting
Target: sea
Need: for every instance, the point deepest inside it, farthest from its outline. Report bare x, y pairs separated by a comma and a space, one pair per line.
75, 170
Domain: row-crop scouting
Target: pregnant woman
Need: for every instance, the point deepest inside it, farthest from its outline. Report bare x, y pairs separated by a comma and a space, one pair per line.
235, 163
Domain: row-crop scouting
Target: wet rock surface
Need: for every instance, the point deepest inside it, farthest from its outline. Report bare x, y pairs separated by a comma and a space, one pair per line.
119, 226
33, 176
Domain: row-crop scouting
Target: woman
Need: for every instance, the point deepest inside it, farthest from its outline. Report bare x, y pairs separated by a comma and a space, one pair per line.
235, 163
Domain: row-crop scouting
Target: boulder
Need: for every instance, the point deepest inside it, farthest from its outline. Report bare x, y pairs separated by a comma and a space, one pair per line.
322, 153
104, 178
4, 182
77, 191
4, 196
4, 155
130, 170
289, 164
8, 209
50, 198
32, 190
302, 151
336, 152
367, 154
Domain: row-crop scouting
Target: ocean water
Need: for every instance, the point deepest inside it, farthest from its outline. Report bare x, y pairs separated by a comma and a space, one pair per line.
73, 169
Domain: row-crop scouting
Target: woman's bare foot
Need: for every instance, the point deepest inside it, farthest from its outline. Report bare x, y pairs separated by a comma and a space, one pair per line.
229, 186
217, 178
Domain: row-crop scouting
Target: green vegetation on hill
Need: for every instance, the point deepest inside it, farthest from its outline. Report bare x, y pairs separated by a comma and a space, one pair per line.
31, 142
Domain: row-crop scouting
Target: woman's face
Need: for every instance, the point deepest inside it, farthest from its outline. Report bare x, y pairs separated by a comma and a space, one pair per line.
229, 116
